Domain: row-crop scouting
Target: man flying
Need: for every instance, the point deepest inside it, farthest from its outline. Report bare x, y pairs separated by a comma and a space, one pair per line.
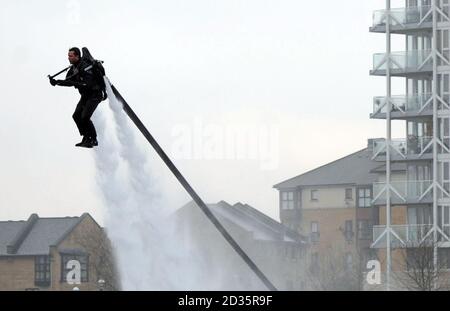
89, 82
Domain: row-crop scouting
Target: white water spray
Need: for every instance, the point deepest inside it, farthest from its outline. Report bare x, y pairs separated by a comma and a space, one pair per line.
149, 251
148, 255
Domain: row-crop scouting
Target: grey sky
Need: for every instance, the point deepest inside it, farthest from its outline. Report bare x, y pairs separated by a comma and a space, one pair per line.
299, 66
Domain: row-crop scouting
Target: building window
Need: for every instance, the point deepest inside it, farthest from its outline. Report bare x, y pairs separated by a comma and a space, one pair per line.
348, 232
348, 262
421, 215
315, 231
314, 265
364, 197
42, 271
349, 194
314, 195
443, 41
444, 258
364, 230
287, 200
83, 259
291, 251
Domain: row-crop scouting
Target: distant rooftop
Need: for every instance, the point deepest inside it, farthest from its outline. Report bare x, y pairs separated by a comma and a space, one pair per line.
35, 235
250, 219
354, 168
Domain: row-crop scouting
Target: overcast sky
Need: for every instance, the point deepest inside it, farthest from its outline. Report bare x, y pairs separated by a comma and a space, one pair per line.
296, 71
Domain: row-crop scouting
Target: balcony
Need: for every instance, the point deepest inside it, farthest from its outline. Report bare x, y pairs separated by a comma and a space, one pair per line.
402, 235
409, 235
417, 62
403, 19
403, 106
412, 148
420, 191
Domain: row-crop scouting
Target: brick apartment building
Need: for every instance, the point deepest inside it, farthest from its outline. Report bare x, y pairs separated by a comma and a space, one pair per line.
332, 206
34, 254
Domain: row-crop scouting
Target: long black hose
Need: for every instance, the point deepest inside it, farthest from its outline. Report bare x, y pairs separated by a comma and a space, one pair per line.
191, 192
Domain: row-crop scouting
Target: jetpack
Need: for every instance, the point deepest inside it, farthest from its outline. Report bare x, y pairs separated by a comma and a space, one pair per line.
96, 65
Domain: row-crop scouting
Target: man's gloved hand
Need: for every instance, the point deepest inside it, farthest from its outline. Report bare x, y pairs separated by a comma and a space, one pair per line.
53, 82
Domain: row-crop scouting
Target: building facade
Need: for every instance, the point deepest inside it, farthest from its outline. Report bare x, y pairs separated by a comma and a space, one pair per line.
36, 254
414, 203
332, 206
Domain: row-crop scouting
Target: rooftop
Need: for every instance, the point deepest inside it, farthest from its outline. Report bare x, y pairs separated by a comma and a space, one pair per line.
35, 235
354, 168
250, 219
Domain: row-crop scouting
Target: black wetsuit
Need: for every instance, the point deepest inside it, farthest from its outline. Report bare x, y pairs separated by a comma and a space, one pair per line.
91, 87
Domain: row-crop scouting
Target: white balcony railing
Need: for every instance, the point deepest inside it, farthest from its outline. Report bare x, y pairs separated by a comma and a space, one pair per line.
413, 145
405, 103
404, 190
413, 60
411, 235
408, 234
403, 16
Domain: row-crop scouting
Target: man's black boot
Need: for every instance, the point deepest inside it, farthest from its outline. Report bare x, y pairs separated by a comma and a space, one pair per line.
90, 142
83, 141
93, 141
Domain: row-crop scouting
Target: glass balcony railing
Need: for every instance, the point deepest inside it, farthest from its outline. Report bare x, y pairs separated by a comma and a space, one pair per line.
406, 103
378, 147
413, 145
411, 234
403, 16
377, 231
408, 234
419, 144
404, 190
413, 60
